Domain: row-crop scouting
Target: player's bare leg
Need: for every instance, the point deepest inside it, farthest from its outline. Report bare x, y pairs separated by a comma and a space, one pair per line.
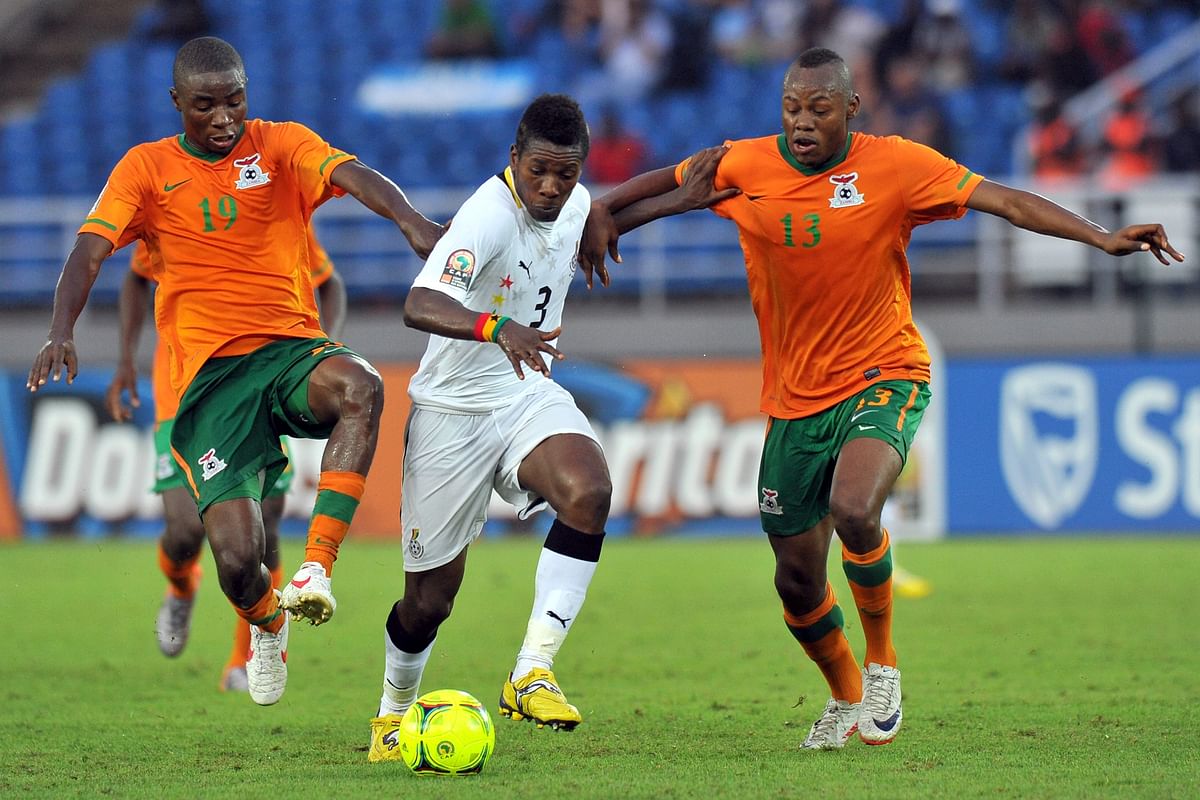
569, 471
865, 473
238, 541
179, 550
233, 676
347, 392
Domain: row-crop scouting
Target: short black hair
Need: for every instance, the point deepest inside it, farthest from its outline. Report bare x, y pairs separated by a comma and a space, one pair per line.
553, 118
816, 57
206, 54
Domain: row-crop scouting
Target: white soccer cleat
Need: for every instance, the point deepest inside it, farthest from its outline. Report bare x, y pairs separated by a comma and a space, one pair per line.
233, 679
881, 714
172, 624
835, 726
309, 595
266, 668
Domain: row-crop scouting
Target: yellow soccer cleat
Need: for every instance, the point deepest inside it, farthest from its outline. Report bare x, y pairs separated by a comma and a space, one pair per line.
536, 696
385, 738
906, 584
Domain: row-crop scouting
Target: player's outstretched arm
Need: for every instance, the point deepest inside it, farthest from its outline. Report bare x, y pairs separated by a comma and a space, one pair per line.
331, 297
131, 311
381, 195
647, 197
1040, 215
74, 284
434, 312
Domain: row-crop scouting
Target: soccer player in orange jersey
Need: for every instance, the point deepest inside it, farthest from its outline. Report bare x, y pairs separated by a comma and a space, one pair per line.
223, 208
824, 217
179, 547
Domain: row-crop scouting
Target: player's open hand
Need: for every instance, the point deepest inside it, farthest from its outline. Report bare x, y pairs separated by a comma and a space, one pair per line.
124, 381
524, 346
698, 179
55, 355
1140, 239
599, 238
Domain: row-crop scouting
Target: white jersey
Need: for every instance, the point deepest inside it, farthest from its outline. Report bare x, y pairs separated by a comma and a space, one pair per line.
496, 258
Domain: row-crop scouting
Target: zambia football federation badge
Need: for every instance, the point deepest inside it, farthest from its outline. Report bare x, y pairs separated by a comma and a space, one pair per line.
769, 504
845, 193
250, 174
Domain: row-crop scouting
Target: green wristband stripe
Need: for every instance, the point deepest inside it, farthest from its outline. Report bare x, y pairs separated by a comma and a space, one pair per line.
822, 627
869, 574
335, 504
499, 324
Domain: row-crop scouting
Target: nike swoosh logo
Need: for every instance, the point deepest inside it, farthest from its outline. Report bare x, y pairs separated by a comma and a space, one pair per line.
866, 427
303, 583
889, 723
170, 187
853, 417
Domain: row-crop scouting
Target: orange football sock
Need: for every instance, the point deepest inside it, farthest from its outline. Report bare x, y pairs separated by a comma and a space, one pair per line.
820, 633
241, 629
266, 613
183, 577
338, 494
870, 577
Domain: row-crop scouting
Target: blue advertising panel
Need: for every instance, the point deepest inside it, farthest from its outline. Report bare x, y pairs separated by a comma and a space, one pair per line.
1073, 445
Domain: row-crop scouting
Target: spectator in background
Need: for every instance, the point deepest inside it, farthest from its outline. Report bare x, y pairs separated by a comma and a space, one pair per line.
737, 35
616, 155
909, 108
1128, 143
1055, 150
1181, 144
179, 20
942, 42
1039, 43
466, 30
1100, 34
636, 37
851, 30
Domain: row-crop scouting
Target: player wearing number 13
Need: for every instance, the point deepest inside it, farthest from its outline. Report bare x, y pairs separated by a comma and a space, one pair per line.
824, 217
224, 208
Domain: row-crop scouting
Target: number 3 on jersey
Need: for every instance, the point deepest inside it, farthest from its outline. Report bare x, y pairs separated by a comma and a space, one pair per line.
543, 293
813, 230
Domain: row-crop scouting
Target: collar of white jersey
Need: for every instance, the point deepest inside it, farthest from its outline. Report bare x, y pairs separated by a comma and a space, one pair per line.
512, 188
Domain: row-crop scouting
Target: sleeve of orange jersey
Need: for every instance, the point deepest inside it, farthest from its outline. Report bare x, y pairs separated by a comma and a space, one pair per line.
314, 161
319, 262
935, 187
722, 180
117, 215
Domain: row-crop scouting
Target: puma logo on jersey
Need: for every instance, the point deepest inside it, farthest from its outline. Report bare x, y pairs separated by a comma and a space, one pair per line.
525, 267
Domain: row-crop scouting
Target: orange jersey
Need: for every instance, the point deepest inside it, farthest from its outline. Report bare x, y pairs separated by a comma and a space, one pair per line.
825, 261
227, 237
166, 402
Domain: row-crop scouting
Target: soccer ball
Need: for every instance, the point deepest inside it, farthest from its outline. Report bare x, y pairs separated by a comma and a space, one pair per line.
446, 732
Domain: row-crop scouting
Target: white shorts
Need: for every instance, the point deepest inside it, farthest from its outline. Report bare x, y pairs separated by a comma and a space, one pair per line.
452, 461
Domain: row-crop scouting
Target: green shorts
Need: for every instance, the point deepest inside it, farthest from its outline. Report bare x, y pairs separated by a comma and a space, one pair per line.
796, 472
227, 429
167, 474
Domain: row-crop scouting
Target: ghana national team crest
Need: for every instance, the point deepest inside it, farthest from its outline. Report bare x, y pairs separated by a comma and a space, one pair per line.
250, 174
415, 548
845, 193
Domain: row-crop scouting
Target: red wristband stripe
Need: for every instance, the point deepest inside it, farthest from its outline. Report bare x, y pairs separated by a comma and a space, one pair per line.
480, 323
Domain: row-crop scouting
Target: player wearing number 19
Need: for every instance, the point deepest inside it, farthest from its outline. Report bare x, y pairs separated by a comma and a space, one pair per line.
824, 217
223, 208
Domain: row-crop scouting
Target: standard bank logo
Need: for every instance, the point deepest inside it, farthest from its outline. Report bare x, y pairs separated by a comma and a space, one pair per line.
1048, 439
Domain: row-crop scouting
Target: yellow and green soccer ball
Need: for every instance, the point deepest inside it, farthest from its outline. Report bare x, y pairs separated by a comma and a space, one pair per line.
446, 732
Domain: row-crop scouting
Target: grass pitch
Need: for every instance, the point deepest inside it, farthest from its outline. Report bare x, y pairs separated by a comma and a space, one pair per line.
1038, 668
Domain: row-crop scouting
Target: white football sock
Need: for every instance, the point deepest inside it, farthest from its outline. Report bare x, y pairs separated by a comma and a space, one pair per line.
559, 590
401, 676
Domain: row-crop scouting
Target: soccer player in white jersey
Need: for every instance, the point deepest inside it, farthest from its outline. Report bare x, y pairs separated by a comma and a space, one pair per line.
486, 414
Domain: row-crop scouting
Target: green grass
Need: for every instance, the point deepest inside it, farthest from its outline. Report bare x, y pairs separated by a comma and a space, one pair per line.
1038, 668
